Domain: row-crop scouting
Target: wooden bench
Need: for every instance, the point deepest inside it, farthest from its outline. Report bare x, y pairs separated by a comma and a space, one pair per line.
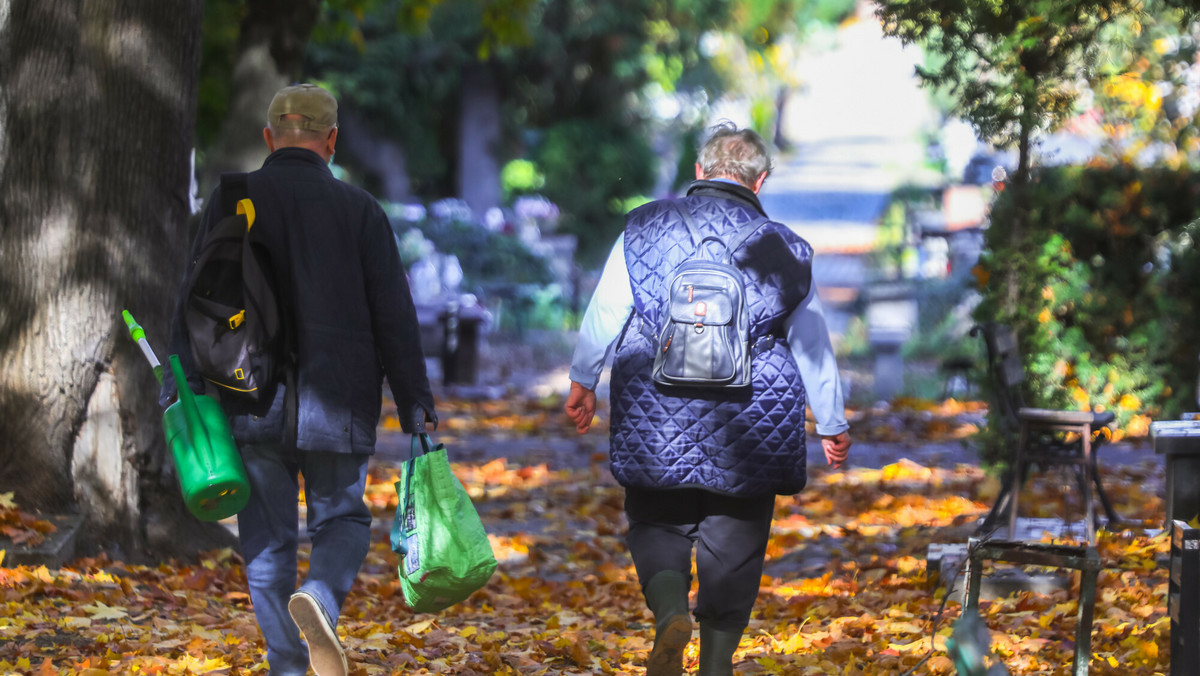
1043, 437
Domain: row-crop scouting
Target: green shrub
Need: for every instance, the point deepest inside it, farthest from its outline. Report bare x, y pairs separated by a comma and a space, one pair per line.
1105, 289
591, 168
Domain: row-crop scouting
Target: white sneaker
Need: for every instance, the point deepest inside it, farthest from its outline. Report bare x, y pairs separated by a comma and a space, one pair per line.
325, 653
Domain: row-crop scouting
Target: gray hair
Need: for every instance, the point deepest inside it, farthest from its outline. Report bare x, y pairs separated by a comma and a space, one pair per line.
734, 153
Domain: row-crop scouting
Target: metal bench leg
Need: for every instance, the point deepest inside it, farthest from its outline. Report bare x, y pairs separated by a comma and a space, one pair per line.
1088, 504
974, 576
1083, 629
999, 507
1018, 479
1109, 510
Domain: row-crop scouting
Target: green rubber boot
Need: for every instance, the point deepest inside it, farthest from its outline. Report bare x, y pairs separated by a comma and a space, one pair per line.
667, 597
716, 651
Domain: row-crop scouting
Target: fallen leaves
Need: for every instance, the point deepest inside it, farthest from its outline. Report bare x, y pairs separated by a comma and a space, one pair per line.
19, 527
844, 589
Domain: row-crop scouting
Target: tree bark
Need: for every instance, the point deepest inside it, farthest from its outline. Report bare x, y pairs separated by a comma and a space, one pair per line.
479, 132
97, 111
1019, 184
271, 46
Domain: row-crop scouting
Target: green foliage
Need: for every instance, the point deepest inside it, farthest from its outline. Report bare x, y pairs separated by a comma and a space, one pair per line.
592, 166
565, 88
1106, 308
520, 177
812, 15
1009, 67
1141, 84
418, 110
222, 24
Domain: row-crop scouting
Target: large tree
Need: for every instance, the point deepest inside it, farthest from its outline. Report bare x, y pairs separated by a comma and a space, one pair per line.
97, 109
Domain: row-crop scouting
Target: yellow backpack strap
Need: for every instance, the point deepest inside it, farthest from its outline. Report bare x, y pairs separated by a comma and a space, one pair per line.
245, 206
236, 320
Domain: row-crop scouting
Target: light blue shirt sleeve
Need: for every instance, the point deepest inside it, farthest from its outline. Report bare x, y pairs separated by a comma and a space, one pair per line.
604, 318
808, 340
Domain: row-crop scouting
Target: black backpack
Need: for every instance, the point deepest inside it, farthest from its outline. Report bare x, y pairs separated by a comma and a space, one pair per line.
233, 317
704, 336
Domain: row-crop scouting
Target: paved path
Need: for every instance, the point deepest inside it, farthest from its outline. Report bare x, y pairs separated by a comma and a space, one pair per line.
856, 124
560, 453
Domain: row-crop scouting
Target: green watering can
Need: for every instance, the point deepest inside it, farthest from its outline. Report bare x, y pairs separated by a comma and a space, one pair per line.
211, 474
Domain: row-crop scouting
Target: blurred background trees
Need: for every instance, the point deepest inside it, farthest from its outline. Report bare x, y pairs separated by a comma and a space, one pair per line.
438, 97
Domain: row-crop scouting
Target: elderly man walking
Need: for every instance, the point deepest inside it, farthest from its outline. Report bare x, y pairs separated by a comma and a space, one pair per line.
352, 320
701, 467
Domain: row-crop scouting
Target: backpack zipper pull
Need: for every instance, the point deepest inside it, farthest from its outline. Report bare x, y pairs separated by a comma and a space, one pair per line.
691, 290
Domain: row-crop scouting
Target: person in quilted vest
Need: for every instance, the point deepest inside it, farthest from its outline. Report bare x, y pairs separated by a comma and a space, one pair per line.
701, 467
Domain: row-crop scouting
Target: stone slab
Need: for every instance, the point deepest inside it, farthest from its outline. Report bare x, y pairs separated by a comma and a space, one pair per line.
56, 549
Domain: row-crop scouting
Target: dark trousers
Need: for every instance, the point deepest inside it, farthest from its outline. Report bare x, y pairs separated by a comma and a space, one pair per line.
730, 536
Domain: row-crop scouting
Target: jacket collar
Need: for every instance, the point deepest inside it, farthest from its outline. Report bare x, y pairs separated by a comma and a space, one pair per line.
726, 190
297, 157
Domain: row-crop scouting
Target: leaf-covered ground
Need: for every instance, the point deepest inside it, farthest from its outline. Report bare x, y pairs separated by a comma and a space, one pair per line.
844, 591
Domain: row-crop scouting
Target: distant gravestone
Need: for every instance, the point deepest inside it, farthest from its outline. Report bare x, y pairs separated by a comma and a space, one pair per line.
891, 320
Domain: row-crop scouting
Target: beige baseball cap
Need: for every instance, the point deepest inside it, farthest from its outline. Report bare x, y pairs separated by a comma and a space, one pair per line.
316, 108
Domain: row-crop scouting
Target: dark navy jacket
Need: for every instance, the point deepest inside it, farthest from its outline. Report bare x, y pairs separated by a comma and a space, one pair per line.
336, 260
746, 441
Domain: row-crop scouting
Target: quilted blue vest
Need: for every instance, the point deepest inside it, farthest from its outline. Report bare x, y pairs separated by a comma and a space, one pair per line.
743, 442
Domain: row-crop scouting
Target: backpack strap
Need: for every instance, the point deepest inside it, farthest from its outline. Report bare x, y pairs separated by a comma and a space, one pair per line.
690, 222
233, 190
743, 234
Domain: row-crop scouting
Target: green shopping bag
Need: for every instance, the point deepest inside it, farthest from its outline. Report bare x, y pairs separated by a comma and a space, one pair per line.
444, 552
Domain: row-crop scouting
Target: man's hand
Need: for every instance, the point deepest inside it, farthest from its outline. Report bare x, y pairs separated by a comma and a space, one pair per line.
581, 407
836, 449
423, 418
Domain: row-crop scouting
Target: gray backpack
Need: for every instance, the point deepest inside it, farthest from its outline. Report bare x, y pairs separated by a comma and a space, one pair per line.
704, 336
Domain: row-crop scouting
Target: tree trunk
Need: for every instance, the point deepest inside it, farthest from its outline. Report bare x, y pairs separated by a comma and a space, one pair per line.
1016, 234
270, 53
383, 157
479, 140
97, 110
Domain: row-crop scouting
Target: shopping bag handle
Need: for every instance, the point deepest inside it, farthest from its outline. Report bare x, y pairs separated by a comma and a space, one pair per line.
426, 446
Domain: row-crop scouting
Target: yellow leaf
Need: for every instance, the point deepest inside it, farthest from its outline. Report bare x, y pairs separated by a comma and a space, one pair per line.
7, 501
1148, 649
419, 627
99, 611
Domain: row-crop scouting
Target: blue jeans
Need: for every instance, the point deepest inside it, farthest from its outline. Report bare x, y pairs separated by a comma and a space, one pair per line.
339, 525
